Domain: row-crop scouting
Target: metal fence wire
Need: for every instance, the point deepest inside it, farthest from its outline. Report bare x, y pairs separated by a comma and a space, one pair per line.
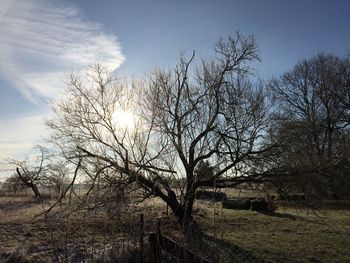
149, 233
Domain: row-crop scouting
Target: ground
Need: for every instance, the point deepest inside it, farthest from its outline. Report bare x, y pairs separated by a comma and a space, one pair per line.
288, 235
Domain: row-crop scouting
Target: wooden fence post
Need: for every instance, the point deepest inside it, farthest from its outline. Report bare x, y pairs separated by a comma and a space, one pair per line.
155, 257
154, 241
141, 236
160, 242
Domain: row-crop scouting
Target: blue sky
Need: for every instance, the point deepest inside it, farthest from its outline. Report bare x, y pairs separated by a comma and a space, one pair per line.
41, 40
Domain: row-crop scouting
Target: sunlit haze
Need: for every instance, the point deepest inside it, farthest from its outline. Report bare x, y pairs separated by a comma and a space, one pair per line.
124, 119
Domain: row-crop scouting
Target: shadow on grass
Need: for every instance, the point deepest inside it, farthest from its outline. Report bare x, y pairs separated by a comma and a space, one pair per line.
281, 215
236, 253
292, 217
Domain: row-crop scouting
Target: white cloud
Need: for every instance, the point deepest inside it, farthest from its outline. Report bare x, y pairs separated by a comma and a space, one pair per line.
42, 39
17, 136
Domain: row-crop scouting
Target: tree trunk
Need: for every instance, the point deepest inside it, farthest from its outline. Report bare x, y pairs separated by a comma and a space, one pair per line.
29, 183
183, 213
36, 192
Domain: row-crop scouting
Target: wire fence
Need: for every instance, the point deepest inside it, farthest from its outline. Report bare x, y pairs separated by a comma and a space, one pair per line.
147, 232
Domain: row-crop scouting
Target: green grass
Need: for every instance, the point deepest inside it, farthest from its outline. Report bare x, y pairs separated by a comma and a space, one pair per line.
288, 235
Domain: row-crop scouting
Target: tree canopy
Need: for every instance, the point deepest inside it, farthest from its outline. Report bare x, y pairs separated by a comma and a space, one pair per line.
201, 113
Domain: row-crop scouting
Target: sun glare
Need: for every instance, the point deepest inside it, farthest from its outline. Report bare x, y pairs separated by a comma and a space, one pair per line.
123, 119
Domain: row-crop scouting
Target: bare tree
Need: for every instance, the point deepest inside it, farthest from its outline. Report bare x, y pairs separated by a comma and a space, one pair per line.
194, 115
13, 184
56, 176
313, 119
31, 171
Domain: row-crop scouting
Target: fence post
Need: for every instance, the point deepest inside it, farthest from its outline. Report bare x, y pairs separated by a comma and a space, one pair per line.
141, 236
155, 252
158, 230
158, 239
154, 241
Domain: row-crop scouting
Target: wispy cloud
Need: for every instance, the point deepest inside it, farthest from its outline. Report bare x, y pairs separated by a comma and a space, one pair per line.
17, 136
42, 39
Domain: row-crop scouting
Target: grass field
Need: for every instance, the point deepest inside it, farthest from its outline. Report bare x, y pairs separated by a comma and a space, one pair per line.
288, 235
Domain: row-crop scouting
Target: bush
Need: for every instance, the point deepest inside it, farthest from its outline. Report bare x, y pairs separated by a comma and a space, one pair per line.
19, 256
238, 204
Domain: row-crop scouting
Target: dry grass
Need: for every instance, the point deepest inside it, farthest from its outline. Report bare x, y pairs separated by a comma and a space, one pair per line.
289, 235
27, 237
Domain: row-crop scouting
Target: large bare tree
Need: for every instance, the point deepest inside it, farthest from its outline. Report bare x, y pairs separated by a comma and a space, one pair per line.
313, 120
203, 113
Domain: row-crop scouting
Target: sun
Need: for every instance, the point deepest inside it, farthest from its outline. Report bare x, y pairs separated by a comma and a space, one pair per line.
123, 119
